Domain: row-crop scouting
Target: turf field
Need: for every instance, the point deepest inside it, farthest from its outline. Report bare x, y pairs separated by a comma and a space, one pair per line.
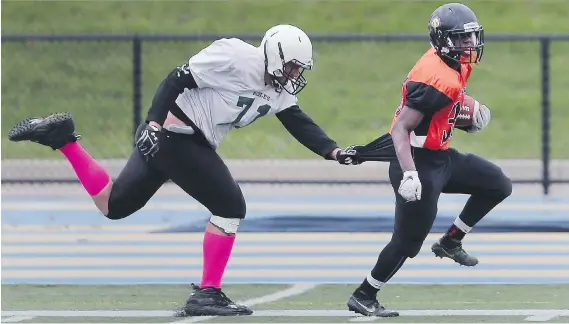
58, 254
355, 86
299, 303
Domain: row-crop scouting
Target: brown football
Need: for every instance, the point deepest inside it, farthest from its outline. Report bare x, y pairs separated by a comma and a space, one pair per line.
465, 117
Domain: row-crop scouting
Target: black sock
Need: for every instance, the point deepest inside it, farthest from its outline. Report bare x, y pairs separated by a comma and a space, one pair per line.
367, 289
388, 263
455, 233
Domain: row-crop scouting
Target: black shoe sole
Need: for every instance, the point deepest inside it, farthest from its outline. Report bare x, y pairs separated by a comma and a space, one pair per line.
440, 252
210, 311
381, 314
23, 131
385, 313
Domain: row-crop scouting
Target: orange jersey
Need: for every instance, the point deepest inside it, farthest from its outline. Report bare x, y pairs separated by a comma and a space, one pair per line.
436, 90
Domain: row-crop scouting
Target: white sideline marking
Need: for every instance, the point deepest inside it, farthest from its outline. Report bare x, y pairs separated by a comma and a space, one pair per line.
546, 316
541, 318
296, 289
15, 319
298, 312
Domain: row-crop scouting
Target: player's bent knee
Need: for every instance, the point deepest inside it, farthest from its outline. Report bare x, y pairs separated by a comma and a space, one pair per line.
241, 208
506, 187
501, 185
228, 226
412, 249
227, 217
232, 209
502, 188
119, 208
124, 200
408, 248
115, 214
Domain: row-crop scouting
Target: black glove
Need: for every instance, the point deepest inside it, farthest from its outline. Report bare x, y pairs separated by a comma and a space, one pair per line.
147, 140
350, 155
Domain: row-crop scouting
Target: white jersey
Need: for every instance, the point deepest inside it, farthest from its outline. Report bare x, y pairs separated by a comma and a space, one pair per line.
231, 93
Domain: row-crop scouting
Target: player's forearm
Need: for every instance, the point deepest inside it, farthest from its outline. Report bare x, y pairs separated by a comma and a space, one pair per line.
307, 133
315, 140
402, 145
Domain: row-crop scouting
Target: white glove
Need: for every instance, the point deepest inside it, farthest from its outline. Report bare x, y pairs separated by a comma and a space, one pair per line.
481, 118
410, 187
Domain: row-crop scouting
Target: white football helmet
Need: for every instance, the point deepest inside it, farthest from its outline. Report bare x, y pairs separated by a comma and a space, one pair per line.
286, 45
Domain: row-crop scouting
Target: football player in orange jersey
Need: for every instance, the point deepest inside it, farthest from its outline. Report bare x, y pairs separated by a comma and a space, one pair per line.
432, 96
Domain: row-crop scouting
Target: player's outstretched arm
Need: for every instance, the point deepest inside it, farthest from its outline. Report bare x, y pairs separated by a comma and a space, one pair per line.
307, 132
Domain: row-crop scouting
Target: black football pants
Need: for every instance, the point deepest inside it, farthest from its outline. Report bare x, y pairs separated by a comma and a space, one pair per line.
189, 162
439, 172
445, 172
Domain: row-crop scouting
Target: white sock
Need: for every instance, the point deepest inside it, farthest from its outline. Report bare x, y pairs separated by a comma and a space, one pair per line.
374, 282
461, 225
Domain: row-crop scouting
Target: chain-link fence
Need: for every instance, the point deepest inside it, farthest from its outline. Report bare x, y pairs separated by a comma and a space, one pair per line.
107, 82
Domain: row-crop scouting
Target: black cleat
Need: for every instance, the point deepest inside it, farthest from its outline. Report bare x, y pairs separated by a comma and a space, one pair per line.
362, 304
211, 302
452, 249
54, 130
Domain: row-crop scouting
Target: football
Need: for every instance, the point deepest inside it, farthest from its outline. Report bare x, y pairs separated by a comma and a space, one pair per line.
465, 117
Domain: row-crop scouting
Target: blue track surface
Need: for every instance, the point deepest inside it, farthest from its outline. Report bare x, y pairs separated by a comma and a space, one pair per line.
283, 240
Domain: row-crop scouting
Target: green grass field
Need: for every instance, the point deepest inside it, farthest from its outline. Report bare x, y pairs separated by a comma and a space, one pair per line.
482, 301
352, 92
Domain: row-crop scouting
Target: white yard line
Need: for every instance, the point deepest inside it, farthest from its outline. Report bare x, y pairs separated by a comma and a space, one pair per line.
539, 315
296, 312
296, 289
541, 318
15, 319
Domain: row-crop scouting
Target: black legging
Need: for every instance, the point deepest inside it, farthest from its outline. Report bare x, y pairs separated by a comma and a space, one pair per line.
190, 163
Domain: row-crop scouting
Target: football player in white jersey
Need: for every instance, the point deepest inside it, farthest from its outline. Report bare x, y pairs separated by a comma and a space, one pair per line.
227, 85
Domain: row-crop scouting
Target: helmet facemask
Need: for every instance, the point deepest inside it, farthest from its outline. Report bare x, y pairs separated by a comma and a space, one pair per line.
290, 77
462, 45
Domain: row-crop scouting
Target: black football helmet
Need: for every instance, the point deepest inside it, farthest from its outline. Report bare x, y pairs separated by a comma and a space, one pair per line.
455, 33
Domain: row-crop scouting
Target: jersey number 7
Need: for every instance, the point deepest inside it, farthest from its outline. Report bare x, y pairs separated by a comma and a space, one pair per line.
453, 114
246, 103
